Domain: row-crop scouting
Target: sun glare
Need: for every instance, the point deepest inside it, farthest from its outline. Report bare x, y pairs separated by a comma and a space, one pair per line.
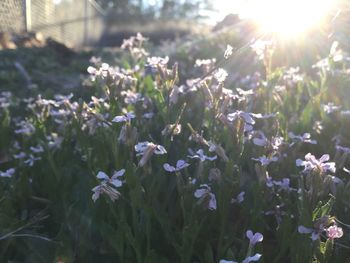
287, 18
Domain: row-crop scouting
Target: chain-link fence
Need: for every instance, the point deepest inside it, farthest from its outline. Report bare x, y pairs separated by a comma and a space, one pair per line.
74, 22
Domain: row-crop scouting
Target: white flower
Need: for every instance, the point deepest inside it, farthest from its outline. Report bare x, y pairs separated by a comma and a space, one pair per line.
220, 75
205, 196
180, 164
201, 156
124, 118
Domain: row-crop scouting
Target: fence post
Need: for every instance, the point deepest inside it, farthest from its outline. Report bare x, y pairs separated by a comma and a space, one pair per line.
86, 21
27, 15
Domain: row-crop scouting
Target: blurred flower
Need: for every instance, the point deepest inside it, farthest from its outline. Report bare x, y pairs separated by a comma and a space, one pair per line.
8, 173
239, 199
37, 149
228, 52
214, 174
315, 233
330, 108
261, 140
261, 47
206, 197
180, 164
266, 161
124, 118
254, 258
20, 155
25, 128
31, 160
220, 75
306, 137
131, 97
219, 150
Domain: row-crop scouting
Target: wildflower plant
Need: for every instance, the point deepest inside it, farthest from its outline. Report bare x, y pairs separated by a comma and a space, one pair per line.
207, 155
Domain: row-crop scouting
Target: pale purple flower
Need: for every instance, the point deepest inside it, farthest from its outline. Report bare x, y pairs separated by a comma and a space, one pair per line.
266, 161
334, 232
54, 141
180, 164
254, 258
141, 148
148, 115
284, 184
343, 149
20, 155
203, 194
254, 238
37, 149
114, 180
25, 128
305, 230
105, 185
260, 141
241, 114
146, 149
8, 173
63, 98
239, 199
31, 160
201, 156
306, 137
124, 118
311, 163
131, 97
227, 261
